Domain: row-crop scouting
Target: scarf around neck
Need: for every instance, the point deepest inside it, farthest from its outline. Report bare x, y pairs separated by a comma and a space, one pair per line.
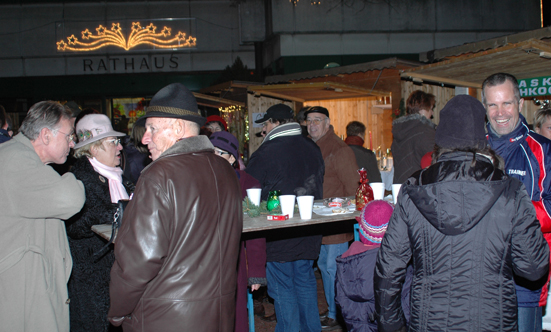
354, 140
114, 175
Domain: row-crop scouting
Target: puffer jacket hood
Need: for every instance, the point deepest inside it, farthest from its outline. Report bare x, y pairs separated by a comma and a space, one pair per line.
460, 205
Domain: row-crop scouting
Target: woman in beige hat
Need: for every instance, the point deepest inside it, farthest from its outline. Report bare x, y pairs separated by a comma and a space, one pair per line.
98, 154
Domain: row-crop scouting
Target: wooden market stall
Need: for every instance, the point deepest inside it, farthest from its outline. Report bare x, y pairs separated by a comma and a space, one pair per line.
462, 69
345, 103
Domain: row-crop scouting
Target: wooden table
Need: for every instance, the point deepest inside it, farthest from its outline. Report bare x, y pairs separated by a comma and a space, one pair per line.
262, 224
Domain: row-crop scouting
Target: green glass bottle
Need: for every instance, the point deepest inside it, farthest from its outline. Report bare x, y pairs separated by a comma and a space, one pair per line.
273, 199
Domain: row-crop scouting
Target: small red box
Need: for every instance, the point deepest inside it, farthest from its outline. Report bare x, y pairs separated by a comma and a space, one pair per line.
278, 216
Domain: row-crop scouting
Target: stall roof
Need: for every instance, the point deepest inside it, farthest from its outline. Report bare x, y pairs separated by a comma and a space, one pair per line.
335, 71
302, 92
211, 101
468, 65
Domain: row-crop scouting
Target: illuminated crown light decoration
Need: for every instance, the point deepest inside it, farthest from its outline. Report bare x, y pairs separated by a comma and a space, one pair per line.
114, 37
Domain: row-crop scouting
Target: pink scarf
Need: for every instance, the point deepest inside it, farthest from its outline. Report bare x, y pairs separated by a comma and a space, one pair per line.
114, 175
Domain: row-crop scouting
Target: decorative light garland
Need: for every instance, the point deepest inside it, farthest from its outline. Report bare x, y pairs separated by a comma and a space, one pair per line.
114, 37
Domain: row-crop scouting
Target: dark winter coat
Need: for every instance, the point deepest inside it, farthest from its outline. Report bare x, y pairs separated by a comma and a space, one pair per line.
354, 292
365, 158
176, 251
467, 229
413, 136
134, 162
292, 163
527, 157
4, 136
89, 282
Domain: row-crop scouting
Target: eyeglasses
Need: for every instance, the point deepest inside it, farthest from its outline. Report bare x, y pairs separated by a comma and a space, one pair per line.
69, 137
115, 141
220, 152
315, 121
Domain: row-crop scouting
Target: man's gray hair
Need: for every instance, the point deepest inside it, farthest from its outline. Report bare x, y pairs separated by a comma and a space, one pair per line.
498, 79
194, 127
44, 114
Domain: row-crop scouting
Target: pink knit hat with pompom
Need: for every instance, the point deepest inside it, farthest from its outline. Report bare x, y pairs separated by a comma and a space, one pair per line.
374, 221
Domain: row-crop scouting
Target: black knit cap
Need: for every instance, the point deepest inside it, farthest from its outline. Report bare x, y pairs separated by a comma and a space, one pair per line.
174, 101
462, 124
279, 111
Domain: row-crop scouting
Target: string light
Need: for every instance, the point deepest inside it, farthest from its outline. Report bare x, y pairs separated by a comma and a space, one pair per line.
233, 115
114, 37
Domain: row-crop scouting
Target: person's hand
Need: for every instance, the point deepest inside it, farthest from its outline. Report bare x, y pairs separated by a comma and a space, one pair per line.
255, 287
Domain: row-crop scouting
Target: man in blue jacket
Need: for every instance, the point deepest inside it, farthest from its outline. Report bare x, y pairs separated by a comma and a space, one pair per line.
527, 158
293, 164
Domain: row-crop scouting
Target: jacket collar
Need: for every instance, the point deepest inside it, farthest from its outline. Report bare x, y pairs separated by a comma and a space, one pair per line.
330, 132
189, 145
514, 137
288, 129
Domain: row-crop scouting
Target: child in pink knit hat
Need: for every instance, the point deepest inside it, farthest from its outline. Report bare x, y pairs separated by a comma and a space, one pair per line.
355, 268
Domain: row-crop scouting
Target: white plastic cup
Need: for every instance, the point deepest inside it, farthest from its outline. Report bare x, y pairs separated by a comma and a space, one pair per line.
305, 206
287, 203
395, 192
254, 195
378, 189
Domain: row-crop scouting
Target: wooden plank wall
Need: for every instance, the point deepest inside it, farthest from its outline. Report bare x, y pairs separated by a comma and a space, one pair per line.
341, 111
377, 120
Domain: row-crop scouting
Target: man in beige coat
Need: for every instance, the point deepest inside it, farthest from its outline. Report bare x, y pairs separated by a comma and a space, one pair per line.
35, 262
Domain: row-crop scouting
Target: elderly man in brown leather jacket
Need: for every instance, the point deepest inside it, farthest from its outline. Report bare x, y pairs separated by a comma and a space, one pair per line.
177, 248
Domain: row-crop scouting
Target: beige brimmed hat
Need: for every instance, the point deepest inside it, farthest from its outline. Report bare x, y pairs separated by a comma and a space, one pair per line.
93, 127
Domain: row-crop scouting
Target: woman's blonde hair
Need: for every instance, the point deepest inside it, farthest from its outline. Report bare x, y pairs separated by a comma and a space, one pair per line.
541, 116
85, 150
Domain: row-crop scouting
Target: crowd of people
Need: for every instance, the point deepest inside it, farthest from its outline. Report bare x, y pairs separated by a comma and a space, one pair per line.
465, 247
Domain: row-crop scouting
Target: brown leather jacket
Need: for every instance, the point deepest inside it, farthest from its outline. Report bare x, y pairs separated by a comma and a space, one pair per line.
341, 175
176, 251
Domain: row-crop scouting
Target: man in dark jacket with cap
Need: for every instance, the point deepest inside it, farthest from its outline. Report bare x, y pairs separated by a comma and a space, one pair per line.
527, 158
176, 251
467, 227
291, 163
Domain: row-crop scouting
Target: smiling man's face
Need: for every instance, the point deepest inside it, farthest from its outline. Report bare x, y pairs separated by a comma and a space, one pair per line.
502, 107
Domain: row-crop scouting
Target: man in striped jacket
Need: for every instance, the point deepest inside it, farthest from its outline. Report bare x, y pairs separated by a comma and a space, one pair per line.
527, 157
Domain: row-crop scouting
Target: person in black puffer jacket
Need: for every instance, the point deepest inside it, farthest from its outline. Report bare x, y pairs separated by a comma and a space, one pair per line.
98, 154
467, 227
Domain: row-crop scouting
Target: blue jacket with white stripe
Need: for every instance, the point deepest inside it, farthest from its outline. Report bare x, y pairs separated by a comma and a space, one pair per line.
527, 157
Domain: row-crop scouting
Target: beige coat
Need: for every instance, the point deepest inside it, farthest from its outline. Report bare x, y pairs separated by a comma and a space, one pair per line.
35, 262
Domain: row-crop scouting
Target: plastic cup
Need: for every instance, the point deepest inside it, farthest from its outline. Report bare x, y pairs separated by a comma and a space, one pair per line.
287, 203
378, 189
395, 192
254, 195
305, 205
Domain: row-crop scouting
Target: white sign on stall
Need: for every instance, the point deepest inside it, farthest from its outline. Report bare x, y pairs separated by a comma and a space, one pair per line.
257, 116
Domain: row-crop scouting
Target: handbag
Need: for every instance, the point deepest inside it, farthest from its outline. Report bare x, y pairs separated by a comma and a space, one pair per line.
117, 221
